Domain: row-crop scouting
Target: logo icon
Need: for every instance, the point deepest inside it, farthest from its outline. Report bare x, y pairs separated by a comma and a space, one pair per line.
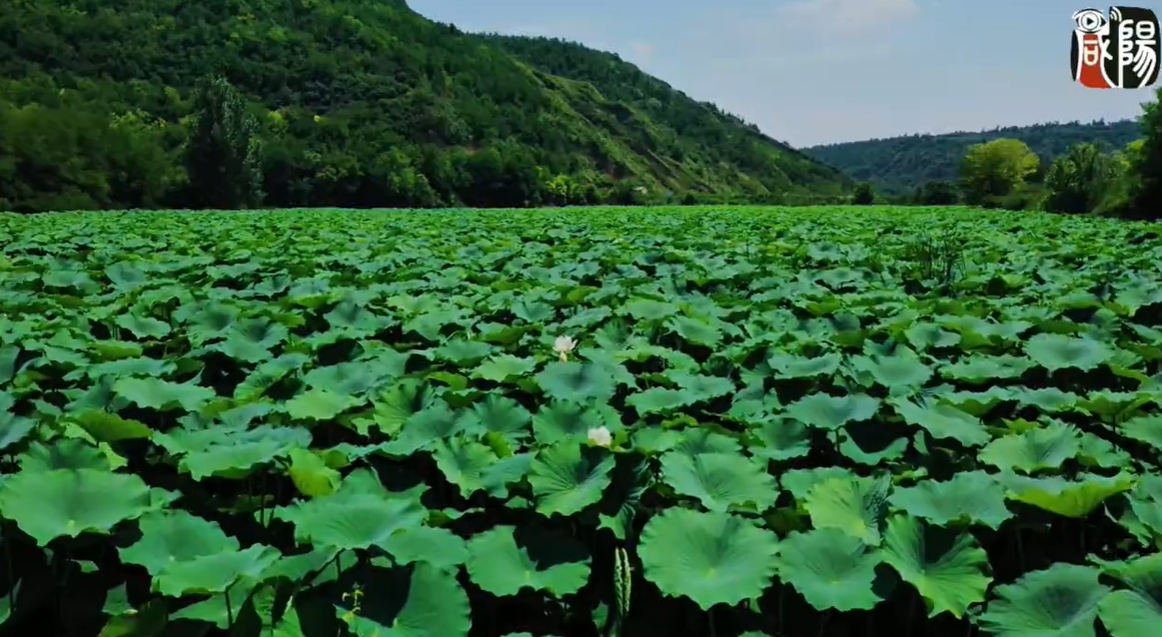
1120, 50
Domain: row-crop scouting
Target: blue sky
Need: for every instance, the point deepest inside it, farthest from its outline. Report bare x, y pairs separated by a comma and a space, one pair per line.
820, 71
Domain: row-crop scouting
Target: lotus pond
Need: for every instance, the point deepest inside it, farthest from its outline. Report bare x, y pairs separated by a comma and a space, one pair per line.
810, 422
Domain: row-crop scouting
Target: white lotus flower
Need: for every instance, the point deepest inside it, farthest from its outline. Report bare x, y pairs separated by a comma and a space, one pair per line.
562, 346
600, 436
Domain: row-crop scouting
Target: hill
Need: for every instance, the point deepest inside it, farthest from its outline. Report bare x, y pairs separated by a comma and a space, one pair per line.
901, 164
360, 103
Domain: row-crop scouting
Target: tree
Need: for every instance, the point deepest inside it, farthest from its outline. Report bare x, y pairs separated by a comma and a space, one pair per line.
1077, 181
864, 195
937, 193
995, 169
1146, 164
223, 156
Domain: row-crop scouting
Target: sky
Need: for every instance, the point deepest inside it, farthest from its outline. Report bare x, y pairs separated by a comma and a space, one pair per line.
823, 71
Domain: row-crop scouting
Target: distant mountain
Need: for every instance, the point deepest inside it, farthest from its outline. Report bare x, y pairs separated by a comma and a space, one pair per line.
360, 103
900, 164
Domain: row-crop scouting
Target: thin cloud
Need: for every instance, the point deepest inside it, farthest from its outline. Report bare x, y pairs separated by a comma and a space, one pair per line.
642, 51
849, 15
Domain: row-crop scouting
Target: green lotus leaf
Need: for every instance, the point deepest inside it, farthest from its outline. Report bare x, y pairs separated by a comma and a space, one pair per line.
855, 506
464, 463
1030, 451
719, 481
150, 619
1099, 452
237, 456
13, 429
162, 395
175, 536
781, 439
1061, 600
463, 352
506, 472
566, 477
68, 502
700, 441
434, 604
695, 331
1047, 399
700, 386
949, 569
900, 371
943, 421
396, 405
63, 453
354, 378
791, 366
505, 560
279, 617
106, 427
300, 567
208, 574
831, 569
1147, 429
923, 335
439, 547
659, 400
648, 309
973, 496
832, 412
1136, 610
500, 415
800, 481
319, 404
137, 366
267, 374
143, 326
351, 520
259, 331
1070, 498
1058, 351
310, 474
980, 369
9, 354
425, 429
711, 558
502, 367
871, 443
560, 421
576, 382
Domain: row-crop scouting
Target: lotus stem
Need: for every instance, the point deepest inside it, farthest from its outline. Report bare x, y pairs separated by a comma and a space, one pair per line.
229, 609
11, 574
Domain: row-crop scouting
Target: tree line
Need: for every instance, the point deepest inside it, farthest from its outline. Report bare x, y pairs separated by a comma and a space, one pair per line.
1006, 173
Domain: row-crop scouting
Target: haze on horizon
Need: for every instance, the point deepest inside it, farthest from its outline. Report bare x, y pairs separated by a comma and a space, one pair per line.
824, 71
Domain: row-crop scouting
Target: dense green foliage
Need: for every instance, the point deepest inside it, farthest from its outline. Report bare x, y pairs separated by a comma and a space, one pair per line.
1146, 164
359, 103
223, 157
1078, 181
995, 169
864, 194
899, 165
816, 422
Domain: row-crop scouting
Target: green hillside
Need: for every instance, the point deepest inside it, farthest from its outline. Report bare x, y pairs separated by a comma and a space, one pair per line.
901, 164
360, 103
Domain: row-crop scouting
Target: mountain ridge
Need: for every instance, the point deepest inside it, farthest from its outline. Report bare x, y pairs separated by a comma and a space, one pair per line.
361, 104
902, 163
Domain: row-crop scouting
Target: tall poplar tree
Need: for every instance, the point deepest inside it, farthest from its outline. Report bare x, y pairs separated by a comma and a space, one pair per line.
223, 156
